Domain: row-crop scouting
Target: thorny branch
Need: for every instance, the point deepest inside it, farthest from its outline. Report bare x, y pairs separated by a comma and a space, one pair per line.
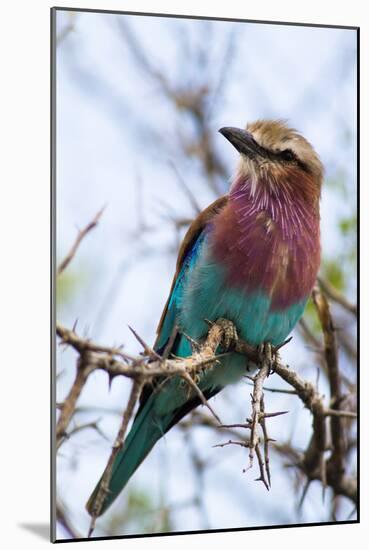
143, 368
257, 421
116, 362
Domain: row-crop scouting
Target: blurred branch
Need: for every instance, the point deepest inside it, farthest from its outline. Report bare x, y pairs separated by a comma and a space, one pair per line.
336, 461
89, 425
139, 55
333, 294
62, 518
224, 69
69, 27
189, 99
344, 340
348, 343
80, 236
310, 336
185, 189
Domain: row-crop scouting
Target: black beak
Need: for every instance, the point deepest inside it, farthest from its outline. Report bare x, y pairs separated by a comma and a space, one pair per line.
243, 142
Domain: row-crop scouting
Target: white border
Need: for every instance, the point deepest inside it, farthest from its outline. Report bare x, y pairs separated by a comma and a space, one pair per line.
24, 50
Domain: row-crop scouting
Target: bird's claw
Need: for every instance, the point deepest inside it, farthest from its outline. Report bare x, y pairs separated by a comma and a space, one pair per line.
230, 336
267, 354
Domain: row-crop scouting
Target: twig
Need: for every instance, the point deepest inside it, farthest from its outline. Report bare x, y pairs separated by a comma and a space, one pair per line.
103, 489
70, 337
261, 467
333, 294
185, 189
258, 419
314, 402
256, 399
62, 518
310, 336
343, 414
89, 425
69, 27
147, 350
266, 438
230, 442
199, 393
69, 404
331, 357
304, 493
80, 236
276, 390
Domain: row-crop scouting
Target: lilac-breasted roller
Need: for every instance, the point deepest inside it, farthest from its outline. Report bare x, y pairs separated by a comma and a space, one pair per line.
251, 257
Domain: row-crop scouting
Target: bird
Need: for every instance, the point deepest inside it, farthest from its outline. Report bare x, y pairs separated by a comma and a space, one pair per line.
252, 258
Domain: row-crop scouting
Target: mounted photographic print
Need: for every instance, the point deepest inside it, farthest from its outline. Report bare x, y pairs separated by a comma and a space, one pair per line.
204, 185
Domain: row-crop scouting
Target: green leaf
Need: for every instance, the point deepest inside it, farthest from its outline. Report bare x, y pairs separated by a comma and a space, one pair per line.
348, 225
311, 317
67, 285
333, 271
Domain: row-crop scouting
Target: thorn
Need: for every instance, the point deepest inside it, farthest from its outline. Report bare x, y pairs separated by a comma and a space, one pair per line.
110, 376
304, 493
195, 345
263, 481
92, 527
147, 349
324, 492
271, 415
138, 338
203, 399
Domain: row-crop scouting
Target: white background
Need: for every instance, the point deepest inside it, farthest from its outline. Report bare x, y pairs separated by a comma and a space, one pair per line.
24, 495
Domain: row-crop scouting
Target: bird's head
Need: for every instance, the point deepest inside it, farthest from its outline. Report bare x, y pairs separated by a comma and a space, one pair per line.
273, 155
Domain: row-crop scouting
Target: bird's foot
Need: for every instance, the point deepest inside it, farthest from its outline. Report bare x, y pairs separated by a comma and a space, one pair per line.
269, 355
230, 336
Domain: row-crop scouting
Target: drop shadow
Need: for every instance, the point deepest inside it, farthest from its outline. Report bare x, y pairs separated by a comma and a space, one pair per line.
40, 529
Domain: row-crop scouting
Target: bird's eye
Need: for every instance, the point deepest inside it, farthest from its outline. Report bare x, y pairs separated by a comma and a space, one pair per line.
288, 155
